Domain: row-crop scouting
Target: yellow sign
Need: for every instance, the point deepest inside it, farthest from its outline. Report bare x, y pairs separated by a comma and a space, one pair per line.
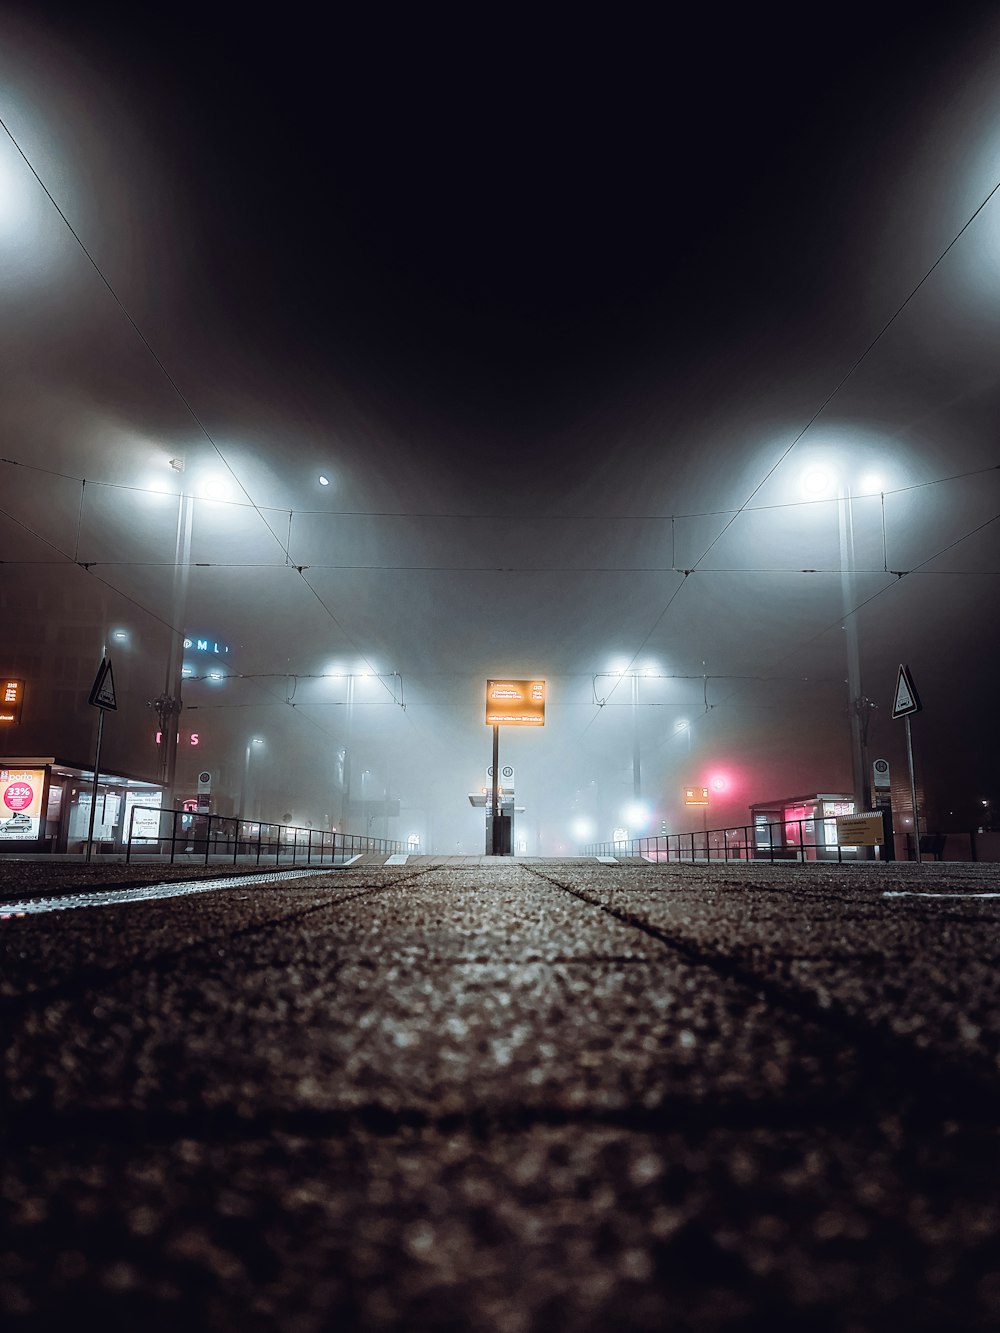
515, 703
696, 796
865, 830
11, 694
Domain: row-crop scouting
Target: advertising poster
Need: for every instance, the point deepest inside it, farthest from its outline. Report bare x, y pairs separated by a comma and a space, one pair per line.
145, 824
21, 792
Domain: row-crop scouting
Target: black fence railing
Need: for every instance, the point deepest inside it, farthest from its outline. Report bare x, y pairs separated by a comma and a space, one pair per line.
789, 840
174, 833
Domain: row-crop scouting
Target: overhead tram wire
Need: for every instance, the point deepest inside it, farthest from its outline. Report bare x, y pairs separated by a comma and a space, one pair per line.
900, 575
168, 377
897, 578
735, 514
850, 372
435, 516
135, 328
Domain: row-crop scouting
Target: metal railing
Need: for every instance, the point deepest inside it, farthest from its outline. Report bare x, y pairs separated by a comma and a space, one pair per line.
226, 838
788, 840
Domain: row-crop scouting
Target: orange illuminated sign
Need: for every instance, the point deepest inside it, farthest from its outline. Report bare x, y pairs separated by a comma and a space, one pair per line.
11, 694
515, 703
696, 796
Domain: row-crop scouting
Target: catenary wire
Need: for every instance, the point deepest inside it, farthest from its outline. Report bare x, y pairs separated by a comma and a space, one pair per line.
815, 417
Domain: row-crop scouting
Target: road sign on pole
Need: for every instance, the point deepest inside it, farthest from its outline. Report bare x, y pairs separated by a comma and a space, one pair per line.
102, 693
905, 704
906, 699
102, 696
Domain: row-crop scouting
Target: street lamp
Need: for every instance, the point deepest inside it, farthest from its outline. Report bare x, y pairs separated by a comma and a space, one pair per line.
820, 483
168, 705
619, 674
254, 740
636, 815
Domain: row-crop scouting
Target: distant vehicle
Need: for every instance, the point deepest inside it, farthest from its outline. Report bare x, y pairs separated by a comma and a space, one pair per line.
18, 821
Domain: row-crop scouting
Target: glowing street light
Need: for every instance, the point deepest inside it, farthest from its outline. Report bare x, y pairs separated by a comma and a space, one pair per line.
582, 829
636, 814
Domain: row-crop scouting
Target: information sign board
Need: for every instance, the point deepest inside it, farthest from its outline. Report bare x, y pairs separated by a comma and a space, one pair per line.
515, 703
11, 695
864, 830
696, 796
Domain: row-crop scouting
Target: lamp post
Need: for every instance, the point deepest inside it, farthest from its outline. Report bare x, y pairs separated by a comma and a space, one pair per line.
819, 483
254, 740
168, 705
636, 760
634, 677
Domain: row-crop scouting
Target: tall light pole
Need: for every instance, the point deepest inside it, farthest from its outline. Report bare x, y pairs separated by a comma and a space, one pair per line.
683, 727
856, 703
345, 790
168, 705
818, 483
600, 700
636, 761
254, 740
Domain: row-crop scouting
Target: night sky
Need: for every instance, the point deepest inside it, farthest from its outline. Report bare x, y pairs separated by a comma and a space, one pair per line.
534, 287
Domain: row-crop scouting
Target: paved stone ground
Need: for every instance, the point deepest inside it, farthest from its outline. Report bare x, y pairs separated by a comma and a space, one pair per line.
510, 1095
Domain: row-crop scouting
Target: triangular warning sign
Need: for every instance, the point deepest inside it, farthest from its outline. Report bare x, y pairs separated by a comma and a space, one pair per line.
102, 694
906, 700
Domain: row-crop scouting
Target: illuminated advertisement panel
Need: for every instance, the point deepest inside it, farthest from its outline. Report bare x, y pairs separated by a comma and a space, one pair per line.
11, 694
21, 792
515, 703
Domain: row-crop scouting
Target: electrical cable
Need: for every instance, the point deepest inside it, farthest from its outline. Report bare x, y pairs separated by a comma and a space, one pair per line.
165, 372
816, 415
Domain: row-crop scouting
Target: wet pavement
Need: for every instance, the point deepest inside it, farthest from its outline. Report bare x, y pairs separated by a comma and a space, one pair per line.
465, 1094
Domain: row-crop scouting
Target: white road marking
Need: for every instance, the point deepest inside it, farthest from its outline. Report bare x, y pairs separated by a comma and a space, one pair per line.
607, 860
399, 859
148, 892
922, 893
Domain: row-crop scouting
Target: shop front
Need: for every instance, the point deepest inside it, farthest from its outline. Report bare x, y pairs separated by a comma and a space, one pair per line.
45, 806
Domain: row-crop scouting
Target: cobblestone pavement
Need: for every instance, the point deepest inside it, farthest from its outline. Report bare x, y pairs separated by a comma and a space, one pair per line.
467, 1094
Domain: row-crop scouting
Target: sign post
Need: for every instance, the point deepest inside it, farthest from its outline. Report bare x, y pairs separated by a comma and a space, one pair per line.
509, 703
495, 798
102, 696
905, 704
883, 803
695, 795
